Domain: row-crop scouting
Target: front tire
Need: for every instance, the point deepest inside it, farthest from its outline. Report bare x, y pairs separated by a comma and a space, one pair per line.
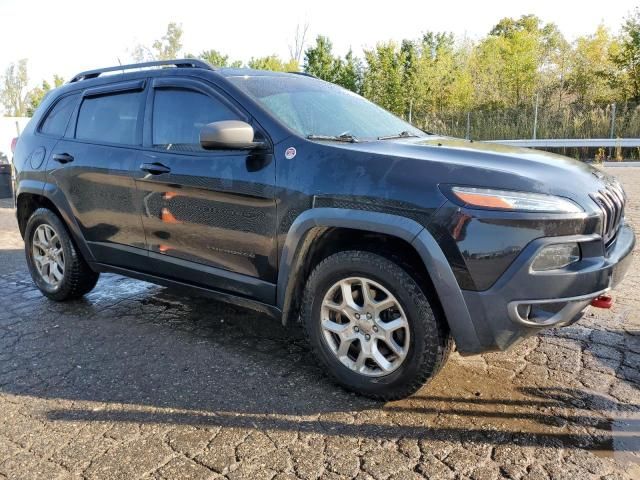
55, 265
372, 327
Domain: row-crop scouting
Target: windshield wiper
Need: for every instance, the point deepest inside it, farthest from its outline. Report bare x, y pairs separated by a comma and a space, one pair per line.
335, 138
403, 134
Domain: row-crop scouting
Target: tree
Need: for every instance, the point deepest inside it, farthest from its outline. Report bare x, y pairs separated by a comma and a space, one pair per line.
37, 94
14, 89
439, 76
350, 73
215, 58
383, 79
296, 50
165, 48
320, 62
628, 56
273, 63
513, 58
591, 72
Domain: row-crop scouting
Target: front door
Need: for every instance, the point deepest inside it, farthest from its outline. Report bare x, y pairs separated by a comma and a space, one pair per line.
209, 216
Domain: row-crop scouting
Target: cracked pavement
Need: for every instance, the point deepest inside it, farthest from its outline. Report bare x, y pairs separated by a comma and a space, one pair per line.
135, 381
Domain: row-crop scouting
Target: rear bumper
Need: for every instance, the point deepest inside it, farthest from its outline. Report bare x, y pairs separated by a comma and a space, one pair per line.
522, 302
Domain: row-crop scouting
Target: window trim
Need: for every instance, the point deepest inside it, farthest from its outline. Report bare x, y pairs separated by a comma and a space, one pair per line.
50, 109
198, 86
113, 89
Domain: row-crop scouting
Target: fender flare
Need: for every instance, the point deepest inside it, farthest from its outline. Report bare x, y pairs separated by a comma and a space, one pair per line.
52, 193
447, 288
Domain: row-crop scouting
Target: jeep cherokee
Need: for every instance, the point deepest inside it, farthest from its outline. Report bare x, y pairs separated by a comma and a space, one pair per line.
293, 196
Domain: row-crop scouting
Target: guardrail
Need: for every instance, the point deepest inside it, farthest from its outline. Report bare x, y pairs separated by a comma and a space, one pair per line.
572, 142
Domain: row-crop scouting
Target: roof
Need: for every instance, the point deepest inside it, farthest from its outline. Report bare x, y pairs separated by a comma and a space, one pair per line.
251, 72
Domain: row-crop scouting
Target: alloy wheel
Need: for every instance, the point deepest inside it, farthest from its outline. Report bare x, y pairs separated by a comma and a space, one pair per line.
365, 327
48, 255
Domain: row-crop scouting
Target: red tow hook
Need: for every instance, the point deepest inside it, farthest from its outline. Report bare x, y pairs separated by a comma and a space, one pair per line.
603, 301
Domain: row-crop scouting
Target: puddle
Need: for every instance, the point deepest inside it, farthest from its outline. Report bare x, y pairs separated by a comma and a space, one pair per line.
624, 446
490, 408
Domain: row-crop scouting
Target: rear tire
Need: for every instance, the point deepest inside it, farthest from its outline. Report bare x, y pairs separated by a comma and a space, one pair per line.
55, 265
341, 333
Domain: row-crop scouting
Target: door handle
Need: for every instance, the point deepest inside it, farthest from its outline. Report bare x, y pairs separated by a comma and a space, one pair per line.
154, 168
62, 157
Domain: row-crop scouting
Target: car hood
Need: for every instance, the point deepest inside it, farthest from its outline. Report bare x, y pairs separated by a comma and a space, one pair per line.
491, 165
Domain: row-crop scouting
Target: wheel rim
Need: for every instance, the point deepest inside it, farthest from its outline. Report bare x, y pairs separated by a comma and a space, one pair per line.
365, 327
48, 255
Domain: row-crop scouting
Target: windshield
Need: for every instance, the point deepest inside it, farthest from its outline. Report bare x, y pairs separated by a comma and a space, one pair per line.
312, 107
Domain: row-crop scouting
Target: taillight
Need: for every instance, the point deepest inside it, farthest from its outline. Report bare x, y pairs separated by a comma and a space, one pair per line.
14, 141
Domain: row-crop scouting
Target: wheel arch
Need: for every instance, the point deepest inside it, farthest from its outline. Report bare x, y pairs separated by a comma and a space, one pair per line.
308, 229
30, 197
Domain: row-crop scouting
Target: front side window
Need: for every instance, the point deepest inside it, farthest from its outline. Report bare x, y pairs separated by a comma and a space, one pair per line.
57, 119
110, 118
179, 114
310, 106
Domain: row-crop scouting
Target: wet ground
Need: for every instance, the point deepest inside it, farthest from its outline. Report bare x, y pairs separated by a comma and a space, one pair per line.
137, 382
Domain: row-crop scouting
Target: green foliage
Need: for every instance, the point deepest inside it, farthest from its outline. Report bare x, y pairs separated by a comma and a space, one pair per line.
14, 89
437, 79
350, 73
273, 63
165, 48
320, 62
215, 58
627, 58
37, 94
511, 57
383, 82
591, 74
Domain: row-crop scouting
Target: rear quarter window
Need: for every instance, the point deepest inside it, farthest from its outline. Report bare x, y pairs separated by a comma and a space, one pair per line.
110, 118
55, 122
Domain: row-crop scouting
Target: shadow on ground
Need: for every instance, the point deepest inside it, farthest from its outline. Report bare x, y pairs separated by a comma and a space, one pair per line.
156, 357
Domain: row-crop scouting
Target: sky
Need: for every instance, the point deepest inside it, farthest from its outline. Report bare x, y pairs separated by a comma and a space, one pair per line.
67, 36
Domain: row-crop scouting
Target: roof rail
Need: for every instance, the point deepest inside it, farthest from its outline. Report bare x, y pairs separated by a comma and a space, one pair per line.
181, 63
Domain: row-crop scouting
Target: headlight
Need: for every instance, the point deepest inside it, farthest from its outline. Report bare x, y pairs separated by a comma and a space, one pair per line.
510, 200
556, 256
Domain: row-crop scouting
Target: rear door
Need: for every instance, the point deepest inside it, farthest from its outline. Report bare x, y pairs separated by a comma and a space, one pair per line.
209, 216
93, 167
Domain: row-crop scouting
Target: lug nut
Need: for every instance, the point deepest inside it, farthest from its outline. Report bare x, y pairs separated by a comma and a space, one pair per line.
367, 337
356, 329
369, 316
375, 329
357, 316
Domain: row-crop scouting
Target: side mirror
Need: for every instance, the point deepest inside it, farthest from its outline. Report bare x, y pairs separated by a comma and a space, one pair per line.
228, 134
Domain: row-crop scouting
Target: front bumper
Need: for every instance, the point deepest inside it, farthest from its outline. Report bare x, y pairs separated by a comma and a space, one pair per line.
523, 302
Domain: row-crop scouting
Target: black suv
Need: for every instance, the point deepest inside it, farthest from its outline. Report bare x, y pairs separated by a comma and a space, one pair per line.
293, 196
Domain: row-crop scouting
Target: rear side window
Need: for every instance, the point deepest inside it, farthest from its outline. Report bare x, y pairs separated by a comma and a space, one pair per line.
110, 118
57, 119
179, 114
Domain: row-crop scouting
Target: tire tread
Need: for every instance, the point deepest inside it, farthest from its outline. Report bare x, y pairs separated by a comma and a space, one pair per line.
437, 340
79, 278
